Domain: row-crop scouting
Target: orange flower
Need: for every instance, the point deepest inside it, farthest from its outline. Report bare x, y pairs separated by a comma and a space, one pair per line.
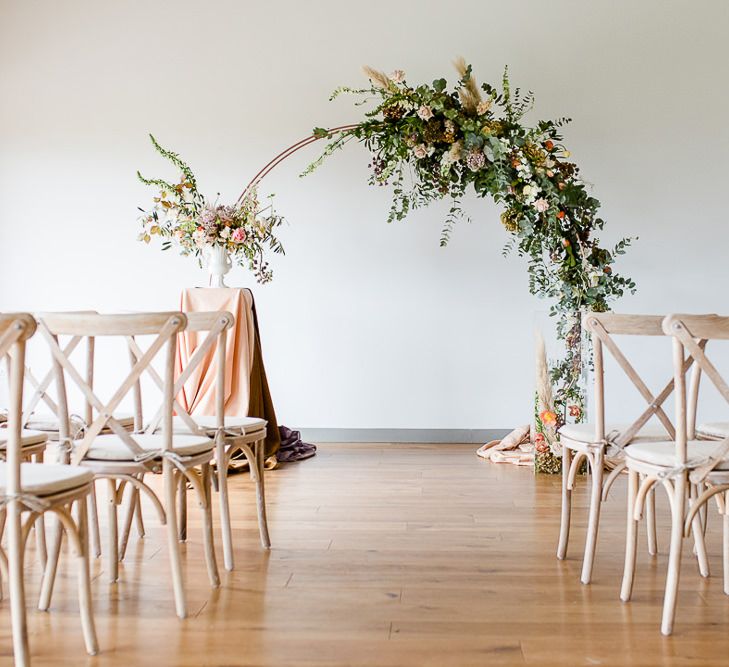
549, 145
560, 215
575, 411
548, 418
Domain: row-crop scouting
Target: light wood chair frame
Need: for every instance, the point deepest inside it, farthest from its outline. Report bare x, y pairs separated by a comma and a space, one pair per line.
195, 469
602, 327
40, 395
689, 485
227, 441
15, 330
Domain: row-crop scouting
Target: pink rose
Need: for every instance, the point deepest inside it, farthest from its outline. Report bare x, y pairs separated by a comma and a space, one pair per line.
425, 112
398, 76
541, 204
238, 235
420, 151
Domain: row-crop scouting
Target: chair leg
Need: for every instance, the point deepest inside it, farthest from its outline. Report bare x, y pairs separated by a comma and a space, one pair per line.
253, 465
84, 581
261, 495
222, 479
725, 543
206, 504
128, 519
2, 530
704, 511
631, 539
49, 574
138, 518
697, 530
39, 527
593, 525
650, 522
21, 649
170, 493
674, 556
182, 508
564, 528
113, 555
40, 530
93, 514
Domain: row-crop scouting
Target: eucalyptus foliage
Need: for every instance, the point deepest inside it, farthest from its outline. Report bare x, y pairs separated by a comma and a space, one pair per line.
430, 142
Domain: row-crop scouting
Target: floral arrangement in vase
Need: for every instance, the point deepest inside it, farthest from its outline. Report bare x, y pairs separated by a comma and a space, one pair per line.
217, 233
430, 142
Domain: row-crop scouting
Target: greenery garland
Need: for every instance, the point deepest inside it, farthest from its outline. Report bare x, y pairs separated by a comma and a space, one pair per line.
431, 143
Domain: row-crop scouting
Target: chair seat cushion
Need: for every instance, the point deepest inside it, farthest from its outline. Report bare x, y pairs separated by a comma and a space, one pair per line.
113, 448
209, 424
664, 453
49, 422
28, 438
43, 479
586, 432
713, 430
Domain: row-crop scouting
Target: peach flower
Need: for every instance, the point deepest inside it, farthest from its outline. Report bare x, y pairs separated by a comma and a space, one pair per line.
548, 418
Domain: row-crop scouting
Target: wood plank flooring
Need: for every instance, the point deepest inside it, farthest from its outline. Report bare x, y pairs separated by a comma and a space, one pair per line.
392, 555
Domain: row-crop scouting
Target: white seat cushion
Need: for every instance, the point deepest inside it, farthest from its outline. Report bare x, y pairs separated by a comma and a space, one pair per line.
208, 423
664, 453
28, 438
713, 430
113, 448
586, 432
49, 422
43, 479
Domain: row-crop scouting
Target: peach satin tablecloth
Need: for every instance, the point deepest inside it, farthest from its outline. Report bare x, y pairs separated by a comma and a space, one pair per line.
246, 386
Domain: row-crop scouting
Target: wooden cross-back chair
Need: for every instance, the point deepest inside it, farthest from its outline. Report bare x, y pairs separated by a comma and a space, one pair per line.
44, 425
31, 489
231, 433
591, 443
122, 457
691, 470
40, 396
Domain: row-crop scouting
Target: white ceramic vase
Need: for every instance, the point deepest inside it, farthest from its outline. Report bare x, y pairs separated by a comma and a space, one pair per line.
217, 260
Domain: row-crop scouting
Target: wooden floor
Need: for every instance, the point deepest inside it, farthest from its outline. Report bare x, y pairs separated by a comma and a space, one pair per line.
388, 556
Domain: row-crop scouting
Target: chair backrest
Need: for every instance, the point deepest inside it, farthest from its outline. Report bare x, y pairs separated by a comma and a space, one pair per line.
162, 326
603, 328
41, 385
690, 334
15, 330
206, 366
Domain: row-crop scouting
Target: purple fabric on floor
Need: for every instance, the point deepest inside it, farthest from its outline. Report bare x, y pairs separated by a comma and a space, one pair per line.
292, 448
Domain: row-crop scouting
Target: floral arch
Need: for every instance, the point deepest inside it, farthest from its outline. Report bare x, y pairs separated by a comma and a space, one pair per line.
429, 142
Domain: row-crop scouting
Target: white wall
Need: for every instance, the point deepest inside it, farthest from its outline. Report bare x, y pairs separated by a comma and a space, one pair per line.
365, 325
